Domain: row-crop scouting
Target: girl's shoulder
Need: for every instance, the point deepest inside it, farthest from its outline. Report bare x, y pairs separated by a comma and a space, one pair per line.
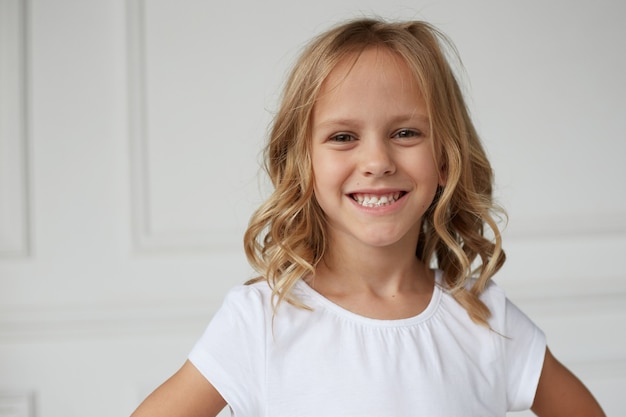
506, 315
504, 312
257, 293
492, 295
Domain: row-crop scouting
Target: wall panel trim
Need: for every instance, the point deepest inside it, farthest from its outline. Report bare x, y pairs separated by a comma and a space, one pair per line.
49, 323
42, 322
144, 236
137, 122
566, 225
14, 179
521, 228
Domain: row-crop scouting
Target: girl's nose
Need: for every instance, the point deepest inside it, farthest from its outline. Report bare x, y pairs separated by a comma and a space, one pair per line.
376, 159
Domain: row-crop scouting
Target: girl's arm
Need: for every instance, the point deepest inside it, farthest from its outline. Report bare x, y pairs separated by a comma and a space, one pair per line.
186, 394
561, 394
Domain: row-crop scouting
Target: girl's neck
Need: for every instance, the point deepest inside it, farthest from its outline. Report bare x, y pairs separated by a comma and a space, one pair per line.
379, 283
381, 271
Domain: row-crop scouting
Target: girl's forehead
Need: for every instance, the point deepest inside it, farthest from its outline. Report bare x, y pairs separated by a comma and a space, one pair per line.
373, 59
374, 68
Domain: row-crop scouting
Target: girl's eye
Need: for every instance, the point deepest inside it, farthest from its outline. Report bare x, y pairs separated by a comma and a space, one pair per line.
407, 133
342, 137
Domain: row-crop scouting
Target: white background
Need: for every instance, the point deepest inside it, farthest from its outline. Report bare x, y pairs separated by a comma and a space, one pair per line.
130, 139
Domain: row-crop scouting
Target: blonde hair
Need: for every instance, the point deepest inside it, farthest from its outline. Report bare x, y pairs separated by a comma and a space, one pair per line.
286, 239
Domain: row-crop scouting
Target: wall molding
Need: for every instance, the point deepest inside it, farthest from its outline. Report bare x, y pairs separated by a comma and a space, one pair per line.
574, 302
78, 321
14, 181
566, 225
17, 404
49, 323
189, 320
145, 238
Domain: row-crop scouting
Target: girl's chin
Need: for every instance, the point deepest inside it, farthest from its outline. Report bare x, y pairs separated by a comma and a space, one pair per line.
378, 240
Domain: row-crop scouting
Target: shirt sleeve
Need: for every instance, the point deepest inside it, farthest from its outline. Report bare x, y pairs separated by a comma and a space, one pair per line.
525, 348
231, 352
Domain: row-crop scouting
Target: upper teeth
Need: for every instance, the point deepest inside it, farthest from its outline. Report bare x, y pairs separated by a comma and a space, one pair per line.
371, 200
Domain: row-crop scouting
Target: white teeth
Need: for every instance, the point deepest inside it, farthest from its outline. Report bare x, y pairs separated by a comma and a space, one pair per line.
370, 200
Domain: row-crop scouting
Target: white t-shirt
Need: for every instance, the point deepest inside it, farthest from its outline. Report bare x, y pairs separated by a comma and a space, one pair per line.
331, 362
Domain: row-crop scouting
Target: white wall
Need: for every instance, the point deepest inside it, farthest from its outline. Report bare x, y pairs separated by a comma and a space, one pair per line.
130, 134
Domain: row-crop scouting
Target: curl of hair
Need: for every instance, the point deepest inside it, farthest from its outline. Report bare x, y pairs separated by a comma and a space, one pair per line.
286, 238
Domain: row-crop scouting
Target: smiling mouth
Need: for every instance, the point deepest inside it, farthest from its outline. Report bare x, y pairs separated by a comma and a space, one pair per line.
374, 200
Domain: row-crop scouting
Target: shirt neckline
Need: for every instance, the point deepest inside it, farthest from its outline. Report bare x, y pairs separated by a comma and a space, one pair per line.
336, 309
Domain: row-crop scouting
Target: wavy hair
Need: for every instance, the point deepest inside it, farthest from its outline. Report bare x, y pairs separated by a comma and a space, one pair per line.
286, 238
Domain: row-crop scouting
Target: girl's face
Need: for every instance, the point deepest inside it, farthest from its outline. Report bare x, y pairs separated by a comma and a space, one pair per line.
372, 154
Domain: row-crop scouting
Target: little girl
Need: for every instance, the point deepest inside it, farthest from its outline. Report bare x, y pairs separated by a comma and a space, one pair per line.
376, 252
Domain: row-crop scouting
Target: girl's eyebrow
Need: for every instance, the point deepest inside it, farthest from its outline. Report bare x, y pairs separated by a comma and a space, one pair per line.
339, 122
422, 118
403, 118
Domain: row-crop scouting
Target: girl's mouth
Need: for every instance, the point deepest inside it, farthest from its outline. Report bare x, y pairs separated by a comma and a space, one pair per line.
377, 200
